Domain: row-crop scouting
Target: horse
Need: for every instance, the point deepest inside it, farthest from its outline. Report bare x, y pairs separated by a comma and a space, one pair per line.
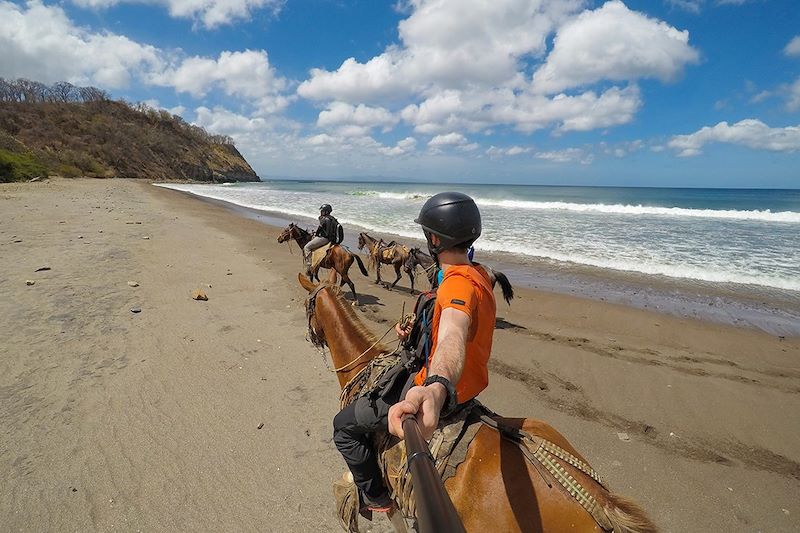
389, 254
496, 488
338, 259
418, 257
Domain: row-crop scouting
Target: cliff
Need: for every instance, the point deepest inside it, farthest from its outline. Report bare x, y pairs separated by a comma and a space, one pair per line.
43, 133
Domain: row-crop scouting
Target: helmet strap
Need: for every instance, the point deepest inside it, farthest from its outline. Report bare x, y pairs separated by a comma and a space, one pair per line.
433, 250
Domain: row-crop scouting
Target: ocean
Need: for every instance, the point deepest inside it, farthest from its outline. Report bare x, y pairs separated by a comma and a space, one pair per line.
736, 240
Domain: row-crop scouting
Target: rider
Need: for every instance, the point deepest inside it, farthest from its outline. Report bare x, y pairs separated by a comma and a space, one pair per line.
325, 234
461, 341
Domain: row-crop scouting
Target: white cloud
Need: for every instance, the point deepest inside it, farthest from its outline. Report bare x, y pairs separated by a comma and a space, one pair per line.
751, 133
221, 120
211, 13
475, 110
402, 147
613, 43
494, 152
245, 74
693, 6
584, 112
355, 120
39, 42
621, 149
463, 65
177, 110
568, 155
447, 44
450, 139
793, 48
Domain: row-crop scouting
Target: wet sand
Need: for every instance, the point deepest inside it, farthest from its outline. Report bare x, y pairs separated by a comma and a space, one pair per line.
149, 421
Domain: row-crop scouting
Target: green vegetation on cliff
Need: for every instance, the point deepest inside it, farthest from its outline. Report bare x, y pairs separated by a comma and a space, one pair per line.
77, 131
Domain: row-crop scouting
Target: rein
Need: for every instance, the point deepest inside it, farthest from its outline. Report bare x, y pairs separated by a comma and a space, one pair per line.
315, 339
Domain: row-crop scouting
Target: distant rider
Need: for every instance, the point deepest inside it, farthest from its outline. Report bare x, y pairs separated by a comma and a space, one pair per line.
453, 365
325, 234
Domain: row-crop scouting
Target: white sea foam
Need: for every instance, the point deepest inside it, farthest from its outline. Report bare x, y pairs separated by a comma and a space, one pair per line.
615, 209
690, 248
620, 209
705, 273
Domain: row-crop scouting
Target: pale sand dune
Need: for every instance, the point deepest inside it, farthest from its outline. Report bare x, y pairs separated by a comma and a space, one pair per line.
119, 421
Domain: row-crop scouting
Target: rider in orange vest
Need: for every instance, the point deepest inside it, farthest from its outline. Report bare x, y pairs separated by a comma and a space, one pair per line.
454, 370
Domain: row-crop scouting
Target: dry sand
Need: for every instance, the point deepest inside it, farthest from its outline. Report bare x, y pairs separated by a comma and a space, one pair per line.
149, 421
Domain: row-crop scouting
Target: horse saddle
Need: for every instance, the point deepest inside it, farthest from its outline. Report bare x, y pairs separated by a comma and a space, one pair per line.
448, 445
318, 256
387, 253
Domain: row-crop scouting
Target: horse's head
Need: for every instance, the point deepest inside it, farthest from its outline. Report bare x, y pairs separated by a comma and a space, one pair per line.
411, 261
362, 240
289, 233
316, 334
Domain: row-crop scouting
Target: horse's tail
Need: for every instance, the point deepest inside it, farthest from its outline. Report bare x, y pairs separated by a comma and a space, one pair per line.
627, 517
360, 265
505, 285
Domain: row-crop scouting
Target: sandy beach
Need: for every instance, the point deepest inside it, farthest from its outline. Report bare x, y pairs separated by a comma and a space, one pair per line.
216, 415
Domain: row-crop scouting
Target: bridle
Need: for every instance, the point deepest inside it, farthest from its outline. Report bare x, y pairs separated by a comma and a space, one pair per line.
313, 336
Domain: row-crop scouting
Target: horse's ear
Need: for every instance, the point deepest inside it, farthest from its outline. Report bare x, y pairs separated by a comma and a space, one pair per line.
305, 282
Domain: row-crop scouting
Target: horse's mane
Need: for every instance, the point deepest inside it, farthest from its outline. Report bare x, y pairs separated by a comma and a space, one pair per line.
358, 324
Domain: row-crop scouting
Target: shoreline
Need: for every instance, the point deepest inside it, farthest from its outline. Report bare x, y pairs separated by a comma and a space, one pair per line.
771, 310
216, 415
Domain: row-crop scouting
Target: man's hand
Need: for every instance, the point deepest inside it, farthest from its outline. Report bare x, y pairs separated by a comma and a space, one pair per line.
423, 402
403, 332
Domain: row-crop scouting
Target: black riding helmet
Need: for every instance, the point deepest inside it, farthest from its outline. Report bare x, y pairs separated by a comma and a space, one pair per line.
325, 209
453, 217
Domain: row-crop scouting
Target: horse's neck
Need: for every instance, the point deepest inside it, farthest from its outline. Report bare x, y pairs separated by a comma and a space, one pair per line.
348, 343
303, 237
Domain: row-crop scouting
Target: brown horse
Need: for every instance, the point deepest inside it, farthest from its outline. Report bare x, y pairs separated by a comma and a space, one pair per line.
496, 488
389, 254
338, 259
418, 257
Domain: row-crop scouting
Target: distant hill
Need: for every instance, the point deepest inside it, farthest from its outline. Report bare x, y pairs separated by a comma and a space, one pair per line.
78, 131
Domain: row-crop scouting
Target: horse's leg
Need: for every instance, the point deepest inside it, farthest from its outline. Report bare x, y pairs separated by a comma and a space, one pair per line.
411, 277
344, 268
397, 272
346, 279
378, 270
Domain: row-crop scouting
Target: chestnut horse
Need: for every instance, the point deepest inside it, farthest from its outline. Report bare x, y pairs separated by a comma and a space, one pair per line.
389, 254
418, 257
496, 488
338, 259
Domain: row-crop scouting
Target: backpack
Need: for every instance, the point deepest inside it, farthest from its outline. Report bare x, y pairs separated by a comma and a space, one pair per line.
418, 344
338, 233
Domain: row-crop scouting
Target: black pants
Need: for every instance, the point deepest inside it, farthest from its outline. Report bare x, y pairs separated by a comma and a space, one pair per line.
352, 430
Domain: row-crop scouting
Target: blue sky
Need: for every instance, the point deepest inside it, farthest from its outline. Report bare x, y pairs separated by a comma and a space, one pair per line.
635, 92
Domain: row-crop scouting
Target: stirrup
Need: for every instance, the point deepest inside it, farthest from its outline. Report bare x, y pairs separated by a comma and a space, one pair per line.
383, 505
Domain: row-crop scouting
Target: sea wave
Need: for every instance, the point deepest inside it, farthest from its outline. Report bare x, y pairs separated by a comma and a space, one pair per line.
704, 273
765, 215
392, 195
621, 209
711, 272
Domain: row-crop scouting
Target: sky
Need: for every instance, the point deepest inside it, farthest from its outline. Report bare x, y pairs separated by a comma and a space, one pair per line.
672, 93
